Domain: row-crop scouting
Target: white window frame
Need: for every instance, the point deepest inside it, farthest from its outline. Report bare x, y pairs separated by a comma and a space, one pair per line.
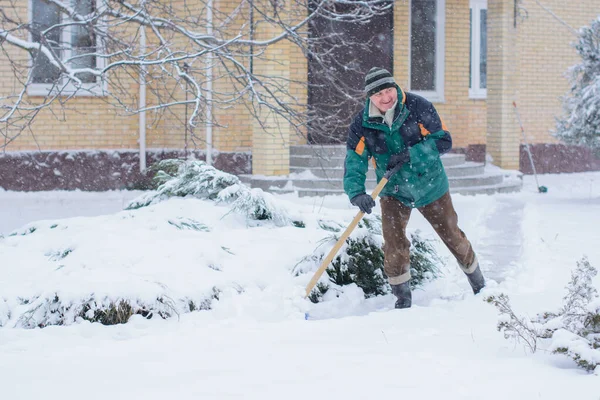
86, 89
436, 95
476, 92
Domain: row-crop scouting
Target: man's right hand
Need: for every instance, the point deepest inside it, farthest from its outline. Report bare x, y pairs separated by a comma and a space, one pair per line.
398, 159
364, 202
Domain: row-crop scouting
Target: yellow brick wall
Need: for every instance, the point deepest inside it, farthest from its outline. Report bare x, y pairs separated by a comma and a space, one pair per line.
232, 130
502, 132
546, 53
298, 88
233, 124
465, 117
91, 123
86, 122
271, 139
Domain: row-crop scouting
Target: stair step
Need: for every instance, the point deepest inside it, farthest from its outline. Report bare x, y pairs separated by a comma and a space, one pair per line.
466, 169
308, 161
461, 182
339, 152
311, 161
504, 187
452, 159
307, 183
318, 170
316, 150
507, 187
477, 180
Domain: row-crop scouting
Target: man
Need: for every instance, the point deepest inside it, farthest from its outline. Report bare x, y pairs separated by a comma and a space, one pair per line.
402, 129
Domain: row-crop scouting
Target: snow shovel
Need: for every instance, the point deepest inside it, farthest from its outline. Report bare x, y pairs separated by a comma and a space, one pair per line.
541, 189
348, 231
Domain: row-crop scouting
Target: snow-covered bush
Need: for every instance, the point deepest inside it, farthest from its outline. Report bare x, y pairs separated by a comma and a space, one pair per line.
581, 125
514, 327
256, 204
424, 261
574, 330
182, 178
51, 309
360, 261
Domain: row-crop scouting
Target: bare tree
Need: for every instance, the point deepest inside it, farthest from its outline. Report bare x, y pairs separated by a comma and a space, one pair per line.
62, 48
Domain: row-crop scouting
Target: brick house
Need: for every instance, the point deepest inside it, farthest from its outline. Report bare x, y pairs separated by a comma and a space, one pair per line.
481, 55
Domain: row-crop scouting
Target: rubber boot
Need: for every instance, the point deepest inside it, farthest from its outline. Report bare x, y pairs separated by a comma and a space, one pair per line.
403, 294
476, 280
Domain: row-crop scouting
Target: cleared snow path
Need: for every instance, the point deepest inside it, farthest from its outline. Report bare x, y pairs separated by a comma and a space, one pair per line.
501, 248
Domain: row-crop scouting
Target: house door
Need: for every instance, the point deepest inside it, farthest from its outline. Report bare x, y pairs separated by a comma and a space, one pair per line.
342, 53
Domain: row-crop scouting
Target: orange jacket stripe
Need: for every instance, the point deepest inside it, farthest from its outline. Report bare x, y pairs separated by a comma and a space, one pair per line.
444, 127
360, 147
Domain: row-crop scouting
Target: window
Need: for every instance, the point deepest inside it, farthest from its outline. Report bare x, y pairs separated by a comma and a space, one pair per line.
427, 27
74, 44
478, 65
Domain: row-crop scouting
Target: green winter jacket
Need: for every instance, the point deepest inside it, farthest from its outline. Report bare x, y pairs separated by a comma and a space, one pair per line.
416, 125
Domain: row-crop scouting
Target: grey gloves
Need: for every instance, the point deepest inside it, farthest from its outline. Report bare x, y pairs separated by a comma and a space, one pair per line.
398, 159
364, 202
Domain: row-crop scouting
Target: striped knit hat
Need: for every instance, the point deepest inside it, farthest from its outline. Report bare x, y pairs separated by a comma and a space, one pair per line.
378, 79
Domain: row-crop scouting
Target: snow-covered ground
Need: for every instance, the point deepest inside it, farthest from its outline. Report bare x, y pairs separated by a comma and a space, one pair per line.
255, 342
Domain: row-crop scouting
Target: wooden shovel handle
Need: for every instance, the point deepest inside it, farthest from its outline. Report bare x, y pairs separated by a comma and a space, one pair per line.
344, 236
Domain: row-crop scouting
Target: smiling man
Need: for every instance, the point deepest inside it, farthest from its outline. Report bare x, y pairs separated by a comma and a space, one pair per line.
397, 128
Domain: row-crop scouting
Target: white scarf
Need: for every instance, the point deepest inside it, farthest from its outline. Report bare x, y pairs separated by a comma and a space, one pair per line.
388, 118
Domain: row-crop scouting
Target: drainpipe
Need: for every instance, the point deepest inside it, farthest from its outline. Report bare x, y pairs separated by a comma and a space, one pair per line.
209, 86
142, 103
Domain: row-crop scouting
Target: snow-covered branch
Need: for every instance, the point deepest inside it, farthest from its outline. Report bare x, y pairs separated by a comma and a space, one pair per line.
92, 47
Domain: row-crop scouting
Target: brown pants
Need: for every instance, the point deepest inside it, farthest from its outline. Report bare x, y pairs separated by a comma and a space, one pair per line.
443, 219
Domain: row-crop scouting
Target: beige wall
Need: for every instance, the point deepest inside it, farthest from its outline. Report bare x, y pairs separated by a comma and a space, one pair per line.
231, 123
85, 123
465, 118
91, 123
546, 53
527, 64
542, 53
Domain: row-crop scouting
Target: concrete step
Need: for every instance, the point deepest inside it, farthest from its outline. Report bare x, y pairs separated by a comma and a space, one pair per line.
476, 180
468, 168
317, 170
311, 161
461, 182
511, 186
327, 173
308, 161
307, 183
318, 150
465, 169
339, 152
506, 187
453, 159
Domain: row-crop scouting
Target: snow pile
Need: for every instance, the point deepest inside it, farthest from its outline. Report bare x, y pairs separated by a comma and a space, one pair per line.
173, 257
167, 255
574, 330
